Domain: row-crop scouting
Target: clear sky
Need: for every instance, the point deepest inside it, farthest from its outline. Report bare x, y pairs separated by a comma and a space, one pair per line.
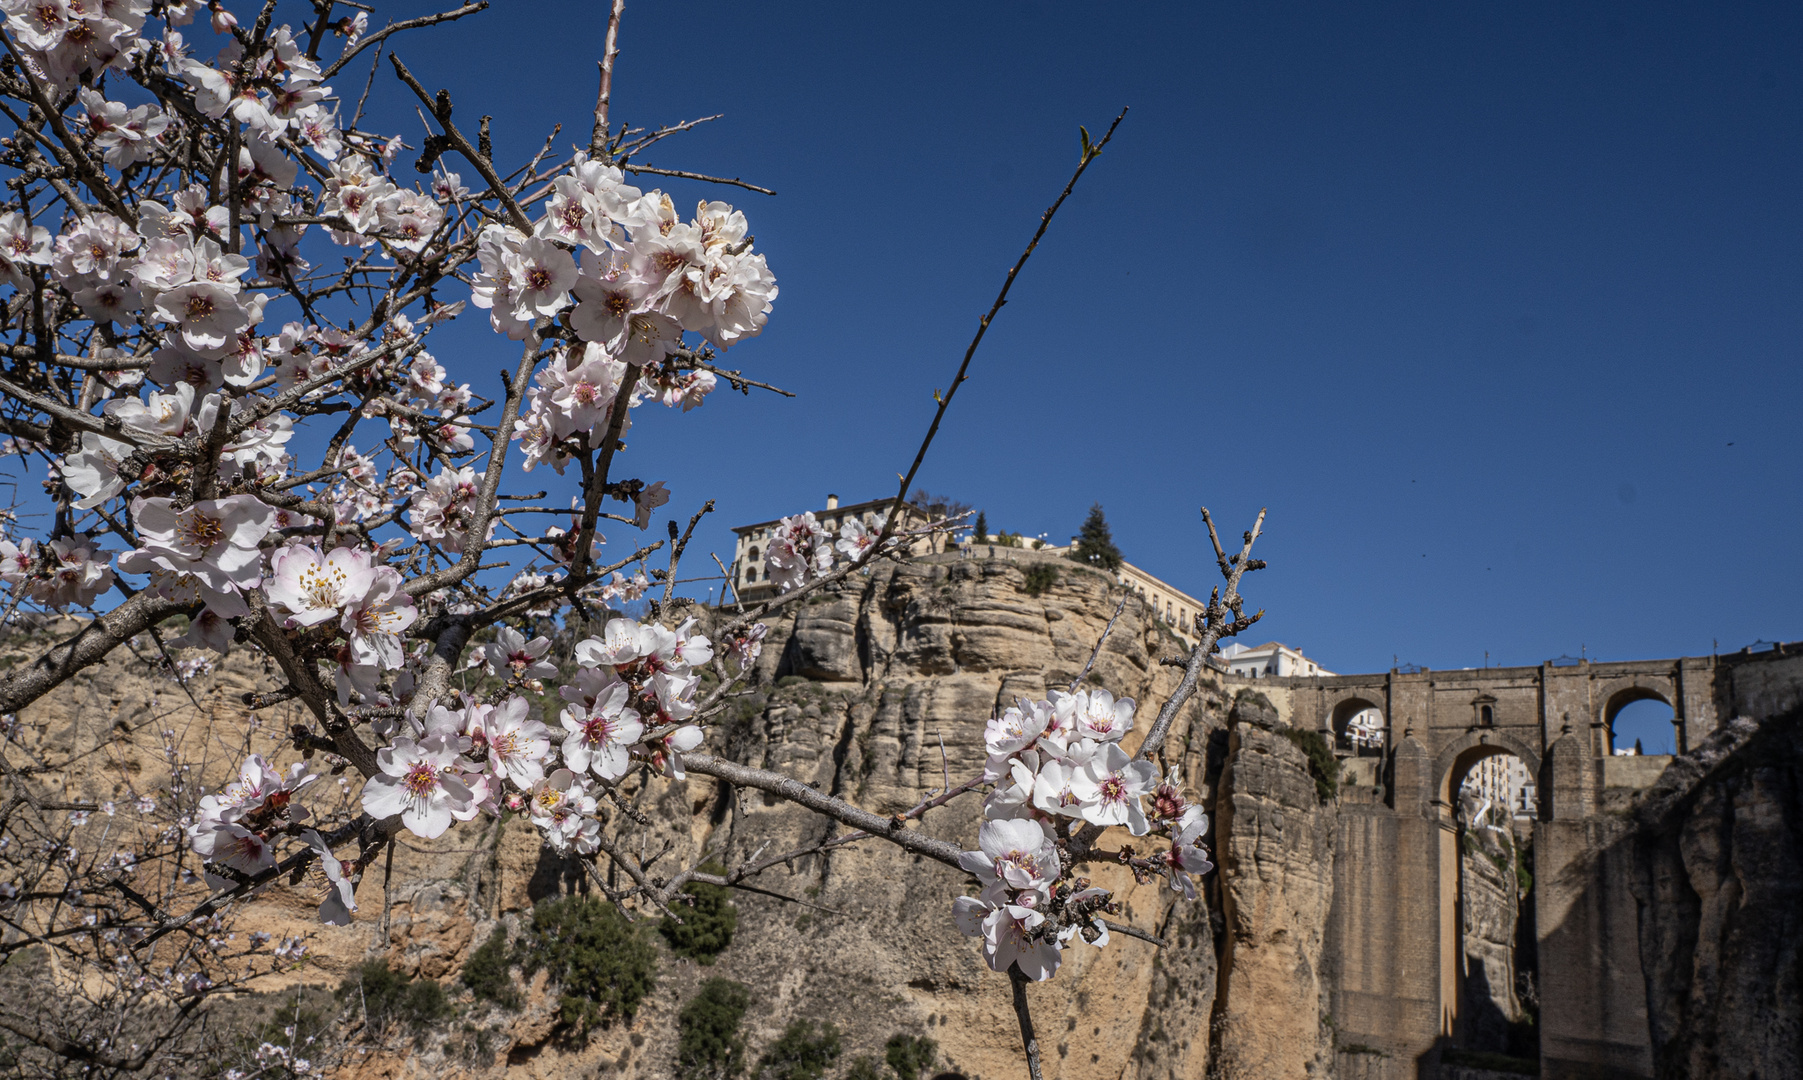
1495, 306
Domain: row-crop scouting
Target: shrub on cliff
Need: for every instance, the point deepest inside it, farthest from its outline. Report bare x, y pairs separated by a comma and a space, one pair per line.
708, 1046
1322, 765
707, 923
1040, 577
800, 1053
910, 1055
487, 972
603, 964
386, 996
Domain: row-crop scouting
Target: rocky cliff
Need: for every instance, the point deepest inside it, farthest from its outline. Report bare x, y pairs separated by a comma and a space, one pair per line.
1719, 860
1276, 840
877, 691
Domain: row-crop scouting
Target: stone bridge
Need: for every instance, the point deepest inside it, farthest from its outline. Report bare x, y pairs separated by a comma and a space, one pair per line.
1393, 953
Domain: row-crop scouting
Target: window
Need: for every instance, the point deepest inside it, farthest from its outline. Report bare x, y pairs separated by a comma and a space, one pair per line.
752, 554
751, 573
1485, 716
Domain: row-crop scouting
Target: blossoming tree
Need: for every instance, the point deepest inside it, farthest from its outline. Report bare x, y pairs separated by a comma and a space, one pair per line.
220, 296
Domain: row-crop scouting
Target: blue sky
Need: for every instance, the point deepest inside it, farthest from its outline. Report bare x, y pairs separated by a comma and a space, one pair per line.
1496, 307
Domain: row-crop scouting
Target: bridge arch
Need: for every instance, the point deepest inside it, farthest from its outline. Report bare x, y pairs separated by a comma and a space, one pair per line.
1621, 693
1349, 705
1451, 766
1458, 756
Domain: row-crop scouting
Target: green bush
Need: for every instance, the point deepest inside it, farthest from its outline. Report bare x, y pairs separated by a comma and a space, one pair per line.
1040, 577
707, 926
864, 1068
1322, 765
603, 963
486, 972
791, 680
910, 1055
385, 996
799, 1053
708, 1046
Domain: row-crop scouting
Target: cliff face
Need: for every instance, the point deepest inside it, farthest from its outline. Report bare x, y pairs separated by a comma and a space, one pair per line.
1276, 880
1490, 907
1719, 860
898, 672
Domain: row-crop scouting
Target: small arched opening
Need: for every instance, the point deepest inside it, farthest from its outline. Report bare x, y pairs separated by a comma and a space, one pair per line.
1640, 720
1359, 727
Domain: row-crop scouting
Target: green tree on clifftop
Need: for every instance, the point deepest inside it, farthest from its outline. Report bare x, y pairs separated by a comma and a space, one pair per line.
1095, 543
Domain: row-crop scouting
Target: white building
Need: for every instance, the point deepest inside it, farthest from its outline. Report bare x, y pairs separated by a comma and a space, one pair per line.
750, 567
1272, 659
1504, 780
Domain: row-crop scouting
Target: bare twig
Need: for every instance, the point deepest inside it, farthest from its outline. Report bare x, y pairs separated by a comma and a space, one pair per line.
1028, 1040
1090, 153
1101, 641
610, 51
732, 180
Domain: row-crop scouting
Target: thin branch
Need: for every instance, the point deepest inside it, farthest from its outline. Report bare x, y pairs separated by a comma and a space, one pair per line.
732, 180
1103, 640
1028, 1040
610, 51
395, 28
1090, 153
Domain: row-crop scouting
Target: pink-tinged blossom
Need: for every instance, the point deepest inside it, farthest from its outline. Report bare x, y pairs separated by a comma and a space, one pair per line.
341, 887
206, 313
1055, 791
667, 750
518, 747
1015, 852
800, 550
214, 539
562, 806
855, 538
1187, 856
621, 642
258, 783
745, 646
22, 245
648, 499
313, 588
420, 781
230, 844
374, 621
511, 656
1008, 933
599, 737
1095, 714
446, 509
1018, 727
1111, 785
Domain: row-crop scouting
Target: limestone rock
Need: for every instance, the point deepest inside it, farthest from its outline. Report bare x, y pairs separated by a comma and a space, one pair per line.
1719, 860
1276, 878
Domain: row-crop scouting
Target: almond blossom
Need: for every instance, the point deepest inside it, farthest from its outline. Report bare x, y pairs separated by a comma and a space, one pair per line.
419, 781
599, 737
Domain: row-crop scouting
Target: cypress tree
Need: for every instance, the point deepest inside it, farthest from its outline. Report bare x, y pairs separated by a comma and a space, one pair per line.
1095, 543
982, 527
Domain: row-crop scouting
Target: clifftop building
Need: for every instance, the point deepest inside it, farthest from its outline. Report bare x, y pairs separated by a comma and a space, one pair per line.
750, 571
750, 568
1273, 658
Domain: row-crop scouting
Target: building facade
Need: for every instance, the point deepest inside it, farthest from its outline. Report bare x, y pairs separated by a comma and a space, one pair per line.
750, 569
1273, 659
